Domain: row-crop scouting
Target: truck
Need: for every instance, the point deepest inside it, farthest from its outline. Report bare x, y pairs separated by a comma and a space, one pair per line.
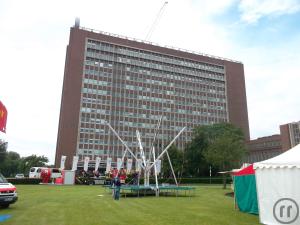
8, 193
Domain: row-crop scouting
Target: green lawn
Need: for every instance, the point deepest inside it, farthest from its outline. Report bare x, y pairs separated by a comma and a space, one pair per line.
72, 205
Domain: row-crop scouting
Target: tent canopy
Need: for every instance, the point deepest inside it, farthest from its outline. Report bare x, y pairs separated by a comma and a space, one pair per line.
278, 188
246, 171
290, 159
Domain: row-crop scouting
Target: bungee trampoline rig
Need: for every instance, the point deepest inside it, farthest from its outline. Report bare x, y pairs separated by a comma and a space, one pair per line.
149, 164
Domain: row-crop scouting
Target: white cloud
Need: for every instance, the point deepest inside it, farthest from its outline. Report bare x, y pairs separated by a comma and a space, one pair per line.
253, 10
272, 80
211, 8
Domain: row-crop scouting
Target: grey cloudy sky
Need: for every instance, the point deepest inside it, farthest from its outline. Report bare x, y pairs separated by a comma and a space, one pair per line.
263, 34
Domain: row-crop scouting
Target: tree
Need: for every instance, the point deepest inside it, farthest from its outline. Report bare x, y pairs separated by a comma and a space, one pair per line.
225, 146
195, 163
12, 163
9, 167
176, 157
3, 147
32, 161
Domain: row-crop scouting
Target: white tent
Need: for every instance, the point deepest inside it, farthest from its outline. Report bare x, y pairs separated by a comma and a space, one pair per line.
278, 188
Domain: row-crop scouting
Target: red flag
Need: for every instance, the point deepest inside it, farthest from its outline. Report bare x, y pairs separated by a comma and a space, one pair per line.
3, 117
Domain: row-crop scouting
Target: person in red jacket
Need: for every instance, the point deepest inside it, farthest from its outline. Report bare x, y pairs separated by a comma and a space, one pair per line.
45, 175
123, 176
114, 173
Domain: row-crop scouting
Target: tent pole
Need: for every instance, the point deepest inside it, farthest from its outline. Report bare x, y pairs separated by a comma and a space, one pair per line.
234, 198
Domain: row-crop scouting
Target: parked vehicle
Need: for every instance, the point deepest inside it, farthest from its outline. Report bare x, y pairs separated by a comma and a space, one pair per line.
35, 172
19, 175
8, 193
55, 172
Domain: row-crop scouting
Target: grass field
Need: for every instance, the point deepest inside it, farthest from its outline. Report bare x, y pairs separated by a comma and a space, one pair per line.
81, 205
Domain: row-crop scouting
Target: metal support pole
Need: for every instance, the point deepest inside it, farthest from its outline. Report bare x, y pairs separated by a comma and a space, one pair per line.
145, 178
209, 174
166, 149
155, 135
155, 173
172, 168
138, 136
112, 129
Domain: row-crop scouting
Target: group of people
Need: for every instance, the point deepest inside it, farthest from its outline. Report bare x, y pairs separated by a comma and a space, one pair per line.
121, 174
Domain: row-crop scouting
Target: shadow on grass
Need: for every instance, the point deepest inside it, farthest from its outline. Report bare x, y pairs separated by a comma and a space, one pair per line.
229, 194
161, 194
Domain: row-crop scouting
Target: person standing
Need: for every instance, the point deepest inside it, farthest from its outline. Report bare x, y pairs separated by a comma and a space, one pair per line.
135, 176
123, 176
117, 187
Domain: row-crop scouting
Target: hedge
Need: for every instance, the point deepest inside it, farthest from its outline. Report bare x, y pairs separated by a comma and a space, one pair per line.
25, 180
201, 180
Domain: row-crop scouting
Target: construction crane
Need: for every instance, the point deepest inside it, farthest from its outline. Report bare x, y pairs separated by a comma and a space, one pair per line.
154, 25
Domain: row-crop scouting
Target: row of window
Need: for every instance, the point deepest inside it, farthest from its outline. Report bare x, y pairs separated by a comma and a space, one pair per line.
265, 144
123, 134
88, 151
92, 120
158, 74
173, 93
151, 56
187, 85
218, 109
150, 90
95, 91
166, 68
260, 156
93, 110
146, 125
95, 101
186, 88
96, 82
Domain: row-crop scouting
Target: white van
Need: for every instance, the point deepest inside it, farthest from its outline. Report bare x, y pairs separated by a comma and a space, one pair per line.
35, 172
55, 172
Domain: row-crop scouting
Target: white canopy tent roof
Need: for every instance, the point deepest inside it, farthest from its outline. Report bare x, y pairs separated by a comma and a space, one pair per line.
278, 188
290, 158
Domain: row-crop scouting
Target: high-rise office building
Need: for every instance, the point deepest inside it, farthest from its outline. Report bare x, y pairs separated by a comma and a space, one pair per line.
131, 84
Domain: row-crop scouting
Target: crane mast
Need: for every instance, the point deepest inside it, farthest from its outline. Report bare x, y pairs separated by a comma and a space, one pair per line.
157, 19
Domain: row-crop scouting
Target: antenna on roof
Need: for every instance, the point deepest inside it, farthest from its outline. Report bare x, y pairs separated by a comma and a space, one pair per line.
77, 22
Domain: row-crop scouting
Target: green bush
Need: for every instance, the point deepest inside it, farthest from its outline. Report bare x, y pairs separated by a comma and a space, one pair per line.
204, 180
25, 180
